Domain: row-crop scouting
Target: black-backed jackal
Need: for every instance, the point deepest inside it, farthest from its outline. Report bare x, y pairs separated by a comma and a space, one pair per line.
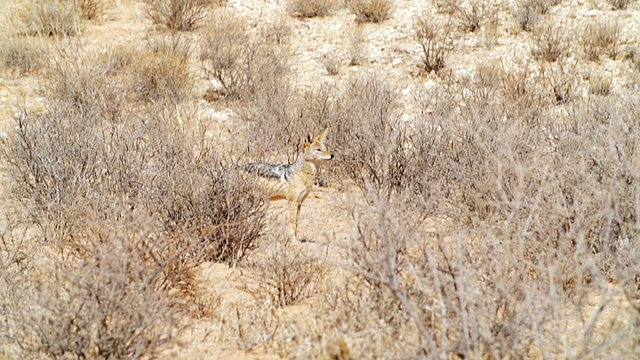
293, 181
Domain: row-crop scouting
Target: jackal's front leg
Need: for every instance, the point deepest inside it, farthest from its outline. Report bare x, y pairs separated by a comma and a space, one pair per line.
294, 212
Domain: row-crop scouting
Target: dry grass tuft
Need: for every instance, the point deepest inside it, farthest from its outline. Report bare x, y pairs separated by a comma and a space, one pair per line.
240, 67
110, 81
90, 9
620, 4
331, 64
374, 11
177, 15
551, 41
528, 13
162, 71
20, 55
288, 275
563, 80
601, 38
312, 8
108, 302
433, 40
474, 15
50, 18
356, 47
600, 84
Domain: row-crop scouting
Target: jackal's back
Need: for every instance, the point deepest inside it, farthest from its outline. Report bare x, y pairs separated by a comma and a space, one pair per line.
270, 171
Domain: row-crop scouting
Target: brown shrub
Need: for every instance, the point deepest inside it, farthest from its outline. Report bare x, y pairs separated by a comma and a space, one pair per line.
312, 8
20, 55
548, 221
433, 40
241, 66
109, 303
374, 11
60, 160
600, 84
551, 41
162, 72
177, 15
111, 81
288, 275
223, 54
620, 4
601, 38
97, 139
474, 15
90, 9
356, 51
50, 18
528, 13
366, 136
563, 81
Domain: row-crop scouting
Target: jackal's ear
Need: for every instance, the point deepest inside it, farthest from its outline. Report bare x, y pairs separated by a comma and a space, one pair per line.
320, 138
307, 142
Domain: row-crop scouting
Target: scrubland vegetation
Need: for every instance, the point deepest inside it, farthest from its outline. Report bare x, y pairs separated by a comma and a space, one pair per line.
489, 212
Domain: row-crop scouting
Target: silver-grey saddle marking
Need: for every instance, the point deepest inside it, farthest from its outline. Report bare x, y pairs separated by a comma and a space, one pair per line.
275, 171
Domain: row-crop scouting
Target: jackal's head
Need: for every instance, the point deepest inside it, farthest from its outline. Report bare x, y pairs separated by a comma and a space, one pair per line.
315, 150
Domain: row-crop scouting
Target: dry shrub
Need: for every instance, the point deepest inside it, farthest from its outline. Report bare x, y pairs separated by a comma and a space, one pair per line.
447, 6
356, 51
241, 66
600, 84
433, 39
551, 41
474, 15
482, 296
528, 13
99, 137
365, 132
525, 97
62, 158
220, 220
550, 211
525, 162
312, 8
374, 11
331, 64
634, 56
563, 80
601, 38
90, 9
21, 55
109, 303
111, 81
288, 275
128, 212
177, 15
223, 53
162, 72
50, 17
620, 4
